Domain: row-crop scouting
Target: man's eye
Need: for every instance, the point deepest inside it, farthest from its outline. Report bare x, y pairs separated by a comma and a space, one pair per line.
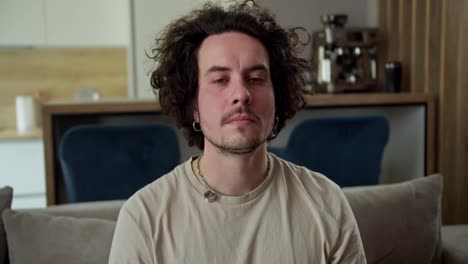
256, 80
220, 81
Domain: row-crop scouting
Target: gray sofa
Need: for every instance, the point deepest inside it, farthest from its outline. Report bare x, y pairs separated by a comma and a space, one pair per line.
399, 223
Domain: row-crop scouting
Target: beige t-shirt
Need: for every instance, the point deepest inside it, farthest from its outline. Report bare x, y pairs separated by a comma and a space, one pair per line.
294, 216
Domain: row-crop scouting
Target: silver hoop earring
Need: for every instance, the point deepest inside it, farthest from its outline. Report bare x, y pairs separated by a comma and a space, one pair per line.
196, 126
274, 131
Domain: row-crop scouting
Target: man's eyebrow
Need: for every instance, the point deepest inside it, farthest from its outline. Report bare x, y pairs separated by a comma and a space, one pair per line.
216, 68
257, 67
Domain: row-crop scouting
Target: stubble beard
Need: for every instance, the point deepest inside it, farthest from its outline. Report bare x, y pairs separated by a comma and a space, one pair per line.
231, 147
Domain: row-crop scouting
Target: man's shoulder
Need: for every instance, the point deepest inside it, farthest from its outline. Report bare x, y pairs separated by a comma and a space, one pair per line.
158, 191
310, 179
311, 185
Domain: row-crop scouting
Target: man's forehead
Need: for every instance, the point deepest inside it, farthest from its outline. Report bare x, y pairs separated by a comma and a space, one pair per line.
232, 50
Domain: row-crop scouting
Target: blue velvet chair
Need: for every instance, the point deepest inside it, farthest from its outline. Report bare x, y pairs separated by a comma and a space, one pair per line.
348, 150
106, 162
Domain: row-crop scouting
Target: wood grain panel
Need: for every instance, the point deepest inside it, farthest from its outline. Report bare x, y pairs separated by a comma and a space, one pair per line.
418, 60
433, 51
448, 96
406, 36
393, 30
461, 154
382, 7
438, 65
57, 73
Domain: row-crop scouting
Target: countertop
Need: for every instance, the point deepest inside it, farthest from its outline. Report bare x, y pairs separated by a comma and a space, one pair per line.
320, 100
12, 134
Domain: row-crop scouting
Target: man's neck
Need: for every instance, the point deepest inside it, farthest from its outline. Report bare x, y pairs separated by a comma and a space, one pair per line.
233, 174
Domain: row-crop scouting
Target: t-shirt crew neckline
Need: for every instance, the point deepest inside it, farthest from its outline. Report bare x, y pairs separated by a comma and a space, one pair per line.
226, 199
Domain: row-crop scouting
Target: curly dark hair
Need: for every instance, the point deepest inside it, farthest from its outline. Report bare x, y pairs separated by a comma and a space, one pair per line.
175, 53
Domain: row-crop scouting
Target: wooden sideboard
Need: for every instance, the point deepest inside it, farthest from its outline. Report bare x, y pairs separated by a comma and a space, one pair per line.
59, 116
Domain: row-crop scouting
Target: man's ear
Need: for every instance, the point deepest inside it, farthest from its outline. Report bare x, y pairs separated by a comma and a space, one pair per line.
196, 115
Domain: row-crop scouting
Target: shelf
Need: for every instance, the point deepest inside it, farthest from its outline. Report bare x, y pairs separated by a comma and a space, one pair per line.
60, 116
367, 99
12, 134
101, 106
319, 100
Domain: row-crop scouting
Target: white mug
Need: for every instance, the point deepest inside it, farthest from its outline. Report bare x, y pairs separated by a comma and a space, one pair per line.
25, 114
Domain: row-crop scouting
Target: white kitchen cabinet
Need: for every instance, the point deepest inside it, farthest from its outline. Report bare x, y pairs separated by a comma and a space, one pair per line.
22, 23
87, 22
64, 23
22, 168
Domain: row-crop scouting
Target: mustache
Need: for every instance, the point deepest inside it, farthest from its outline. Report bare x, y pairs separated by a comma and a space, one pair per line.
237, 111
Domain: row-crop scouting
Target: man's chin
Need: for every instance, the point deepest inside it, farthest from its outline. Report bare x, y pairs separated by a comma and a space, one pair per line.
238, 147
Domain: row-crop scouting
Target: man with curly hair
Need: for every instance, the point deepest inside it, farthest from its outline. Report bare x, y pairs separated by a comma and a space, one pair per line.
230, 79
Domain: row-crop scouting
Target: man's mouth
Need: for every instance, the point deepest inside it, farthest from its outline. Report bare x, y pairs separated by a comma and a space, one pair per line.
240, 116
241, 119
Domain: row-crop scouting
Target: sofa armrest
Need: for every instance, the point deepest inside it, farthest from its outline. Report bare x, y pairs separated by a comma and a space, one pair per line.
454, 244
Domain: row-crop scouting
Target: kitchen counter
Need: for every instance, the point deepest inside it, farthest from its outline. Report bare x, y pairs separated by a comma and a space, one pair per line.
12, 134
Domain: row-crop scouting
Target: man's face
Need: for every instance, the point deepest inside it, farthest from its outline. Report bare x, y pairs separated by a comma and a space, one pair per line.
236, 104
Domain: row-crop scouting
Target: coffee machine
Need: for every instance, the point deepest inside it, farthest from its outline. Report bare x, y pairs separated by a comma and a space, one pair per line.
343, 59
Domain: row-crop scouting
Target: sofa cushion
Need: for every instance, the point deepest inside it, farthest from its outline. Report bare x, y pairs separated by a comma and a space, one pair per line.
42, 238
455, 248
6, 194
399, 223
108, 210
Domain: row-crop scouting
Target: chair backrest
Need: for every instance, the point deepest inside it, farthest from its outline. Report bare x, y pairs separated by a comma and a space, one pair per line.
348, 150
107, 162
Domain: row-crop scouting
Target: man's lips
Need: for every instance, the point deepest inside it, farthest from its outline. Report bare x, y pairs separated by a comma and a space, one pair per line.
241, 119
240, 116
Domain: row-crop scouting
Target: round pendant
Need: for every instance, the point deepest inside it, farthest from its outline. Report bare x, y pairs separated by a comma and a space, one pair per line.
210, 196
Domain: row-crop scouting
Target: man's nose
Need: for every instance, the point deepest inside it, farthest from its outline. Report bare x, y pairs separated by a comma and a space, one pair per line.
241, 94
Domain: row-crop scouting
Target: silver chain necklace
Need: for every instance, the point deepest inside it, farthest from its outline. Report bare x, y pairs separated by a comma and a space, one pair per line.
211, 195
